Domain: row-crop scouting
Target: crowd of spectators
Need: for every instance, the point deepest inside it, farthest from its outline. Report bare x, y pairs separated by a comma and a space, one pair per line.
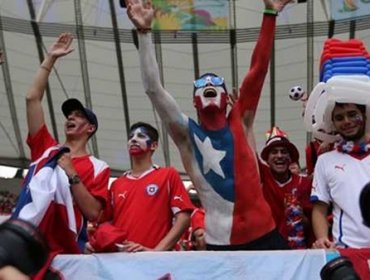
239, 200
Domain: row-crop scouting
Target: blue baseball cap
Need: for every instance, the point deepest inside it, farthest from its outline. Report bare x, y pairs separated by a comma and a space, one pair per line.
74, 104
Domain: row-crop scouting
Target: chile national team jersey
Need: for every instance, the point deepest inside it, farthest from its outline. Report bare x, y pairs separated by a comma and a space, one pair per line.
144, 207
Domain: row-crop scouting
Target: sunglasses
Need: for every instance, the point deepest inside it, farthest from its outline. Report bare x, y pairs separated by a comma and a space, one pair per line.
214, 81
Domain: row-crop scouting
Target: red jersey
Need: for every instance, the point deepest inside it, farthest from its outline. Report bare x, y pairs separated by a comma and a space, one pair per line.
94, 173
144, 207
280, 195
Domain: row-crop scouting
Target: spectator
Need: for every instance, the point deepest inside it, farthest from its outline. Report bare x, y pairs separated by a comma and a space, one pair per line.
145, 201
218, 153
295, 168
193, 237
197, 232
313, 149
287, 193
341, 174
88, 176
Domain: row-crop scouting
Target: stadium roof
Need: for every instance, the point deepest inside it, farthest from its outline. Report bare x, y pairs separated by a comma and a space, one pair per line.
104, 73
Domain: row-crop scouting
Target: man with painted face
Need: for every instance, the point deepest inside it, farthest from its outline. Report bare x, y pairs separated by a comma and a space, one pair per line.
148, 198
288, 194
339, 178
219, 153
87, 176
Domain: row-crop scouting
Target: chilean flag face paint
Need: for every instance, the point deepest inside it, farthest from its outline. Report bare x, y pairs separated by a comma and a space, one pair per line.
139, 141
209, 93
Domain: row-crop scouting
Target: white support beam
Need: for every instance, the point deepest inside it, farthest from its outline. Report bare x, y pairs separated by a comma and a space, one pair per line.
42, 11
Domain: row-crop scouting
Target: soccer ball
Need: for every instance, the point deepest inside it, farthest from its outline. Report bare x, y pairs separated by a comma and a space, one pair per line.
296, 93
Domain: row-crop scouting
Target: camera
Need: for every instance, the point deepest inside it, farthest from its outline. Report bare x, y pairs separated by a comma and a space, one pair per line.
22, 246
340, 268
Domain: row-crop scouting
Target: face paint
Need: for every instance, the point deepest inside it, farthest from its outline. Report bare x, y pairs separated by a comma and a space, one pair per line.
139, 141
349, 122
359, 120
76, 123
210, 92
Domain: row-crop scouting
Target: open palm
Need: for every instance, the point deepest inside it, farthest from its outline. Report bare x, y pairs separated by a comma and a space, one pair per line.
140, 14
276, 5
61, 46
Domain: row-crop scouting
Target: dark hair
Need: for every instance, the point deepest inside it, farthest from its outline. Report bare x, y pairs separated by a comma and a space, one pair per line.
208, 74
361, 107
22, 246
152, 132
365, 204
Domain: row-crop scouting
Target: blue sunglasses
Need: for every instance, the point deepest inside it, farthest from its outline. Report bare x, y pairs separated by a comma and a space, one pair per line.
214, 81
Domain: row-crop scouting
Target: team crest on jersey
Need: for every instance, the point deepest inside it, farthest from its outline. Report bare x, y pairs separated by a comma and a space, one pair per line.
152, 189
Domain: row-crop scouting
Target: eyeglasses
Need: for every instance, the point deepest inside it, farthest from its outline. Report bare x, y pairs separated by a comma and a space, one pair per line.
214, 81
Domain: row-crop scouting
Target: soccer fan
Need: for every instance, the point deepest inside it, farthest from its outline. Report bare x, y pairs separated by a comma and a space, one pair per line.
87, 176
287, 193
219, 152
341, 174
150, 205
193, 237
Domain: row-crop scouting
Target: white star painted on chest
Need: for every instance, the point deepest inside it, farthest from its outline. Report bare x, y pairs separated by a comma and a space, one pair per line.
211, 156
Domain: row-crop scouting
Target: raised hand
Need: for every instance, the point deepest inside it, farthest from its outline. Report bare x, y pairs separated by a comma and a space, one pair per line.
140, 14
233, 97
276, 5
62, 46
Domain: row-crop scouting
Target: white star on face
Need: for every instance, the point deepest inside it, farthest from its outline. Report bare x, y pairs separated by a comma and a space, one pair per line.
211, 156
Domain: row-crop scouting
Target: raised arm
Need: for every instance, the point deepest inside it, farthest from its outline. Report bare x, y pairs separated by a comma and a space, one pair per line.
250, 90
142, 15
35, 113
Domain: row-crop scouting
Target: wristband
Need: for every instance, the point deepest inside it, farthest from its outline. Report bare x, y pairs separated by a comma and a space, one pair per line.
144, 30
270, 12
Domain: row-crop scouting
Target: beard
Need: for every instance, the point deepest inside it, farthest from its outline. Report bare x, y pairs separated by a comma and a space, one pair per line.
357, 136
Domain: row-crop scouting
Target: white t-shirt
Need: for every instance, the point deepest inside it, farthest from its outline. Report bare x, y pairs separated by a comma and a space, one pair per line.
339, 178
